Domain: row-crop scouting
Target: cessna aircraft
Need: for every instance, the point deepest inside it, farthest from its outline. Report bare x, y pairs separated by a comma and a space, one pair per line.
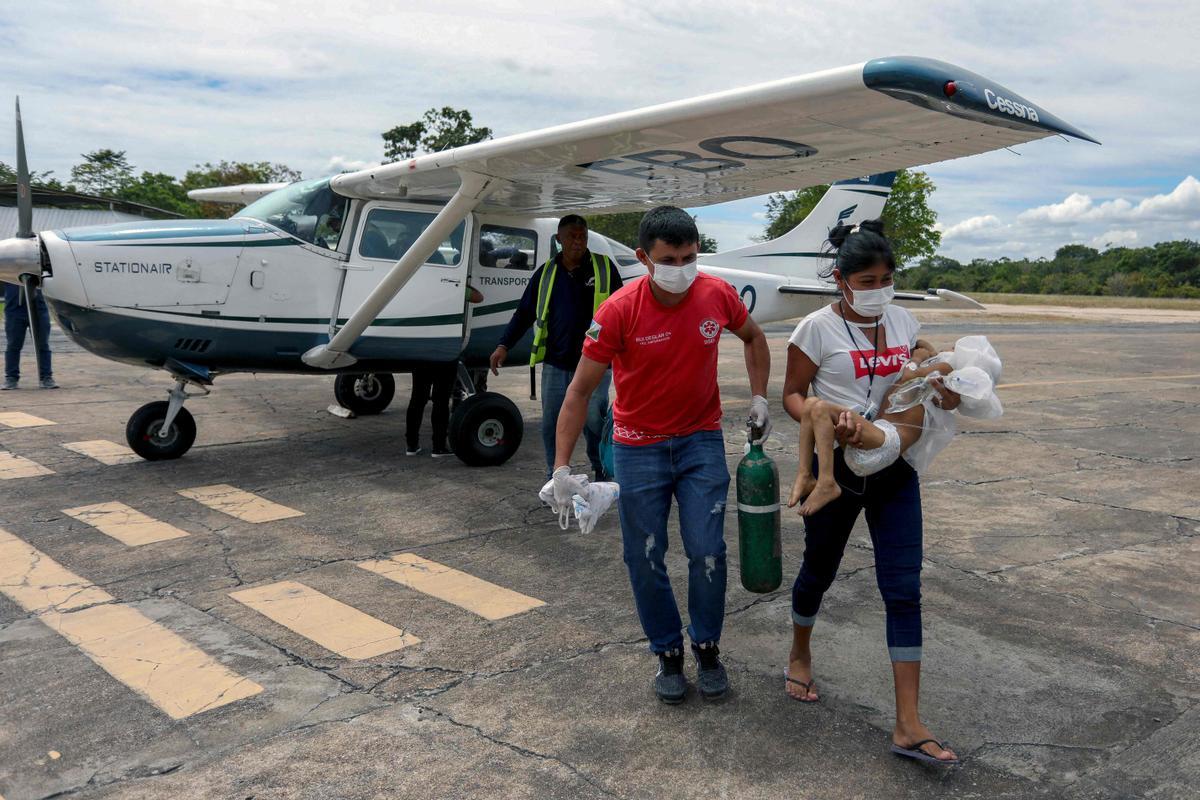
364, 274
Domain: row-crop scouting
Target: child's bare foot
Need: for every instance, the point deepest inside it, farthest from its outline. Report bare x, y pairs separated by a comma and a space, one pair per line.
822, 495
802, 488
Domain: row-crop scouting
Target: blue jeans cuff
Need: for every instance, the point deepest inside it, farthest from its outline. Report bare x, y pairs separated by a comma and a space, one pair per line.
905, 653
802, 621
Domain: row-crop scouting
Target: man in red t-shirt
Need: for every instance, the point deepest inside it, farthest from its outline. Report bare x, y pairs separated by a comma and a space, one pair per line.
661, 333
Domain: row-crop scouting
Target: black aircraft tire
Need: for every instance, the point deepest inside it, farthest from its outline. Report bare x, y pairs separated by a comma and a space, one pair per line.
364, 393
486, 430
141, 432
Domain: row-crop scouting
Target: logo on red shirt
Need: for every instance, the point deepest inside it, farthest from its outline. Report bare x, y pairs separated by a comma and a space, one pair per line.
885, 362
710, 328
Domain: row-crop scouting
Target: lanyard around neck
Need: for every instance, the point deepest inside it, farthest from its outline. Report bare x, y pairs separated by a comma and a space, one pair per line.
874, 359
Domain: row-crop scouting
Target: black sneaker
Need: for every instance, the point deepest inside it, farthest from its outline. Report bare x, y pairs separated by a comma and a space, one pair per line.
712, 679
669, 683
441, 452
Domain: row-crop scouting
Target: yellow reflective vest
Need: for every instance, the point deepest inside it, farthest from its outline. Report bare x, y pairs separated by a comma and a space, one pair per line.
601, 291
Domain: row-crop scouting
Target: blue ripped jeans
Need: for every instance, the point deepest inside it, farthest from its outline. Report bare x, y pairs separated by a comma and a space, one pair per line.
692, 470
891, 499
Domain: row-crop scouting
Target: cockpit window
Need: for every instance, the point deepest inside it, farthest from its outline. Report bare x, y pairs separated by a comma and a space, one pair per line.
308, 210
389, 232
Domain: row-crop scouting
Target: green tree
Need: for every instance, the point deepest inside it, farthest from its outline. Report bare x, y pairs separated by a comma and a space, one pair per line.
103, 172
439, 129
160, 190
908, 219
9, 175
624, 228
232, 173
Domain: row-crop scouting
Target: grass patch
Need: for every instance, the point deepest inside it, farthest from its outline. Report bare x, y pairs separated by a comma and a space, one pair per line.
1087, 301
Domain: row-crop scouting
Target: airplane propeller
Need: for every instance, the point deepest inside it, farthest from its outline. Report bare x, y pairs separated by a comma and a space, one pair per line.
20, 257
24, 195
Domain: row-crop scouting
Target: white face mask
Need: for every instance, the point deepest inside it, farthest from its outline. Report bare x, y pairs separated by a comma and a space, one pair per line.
871, 302
675, 280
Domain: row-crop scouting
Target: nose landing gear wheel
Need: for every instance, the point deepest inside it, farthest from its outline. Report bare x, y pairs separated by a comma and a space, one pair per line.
364, 393
486, 430
142, 432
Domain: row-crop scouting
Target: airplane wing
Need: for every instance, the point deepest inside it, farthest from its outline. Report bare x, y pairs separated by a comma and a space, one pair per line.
878, 116
242, 194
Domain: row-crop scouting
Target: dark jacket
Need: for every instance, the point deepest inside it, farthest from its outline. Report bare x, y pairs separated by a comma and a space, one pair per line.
569, 314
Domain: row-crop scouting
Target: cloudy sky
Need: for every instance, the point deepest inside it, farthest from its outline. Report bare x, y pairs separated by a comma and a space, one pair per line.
313, 85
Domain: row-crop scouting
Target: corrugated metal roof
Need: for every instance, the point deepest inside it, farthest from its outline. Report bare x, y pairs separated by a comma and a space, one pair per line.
57, 218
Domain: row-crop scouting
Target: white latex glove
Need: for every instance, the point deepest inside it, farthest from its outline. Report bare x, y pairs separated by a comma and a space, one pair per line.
564, 487
760, 416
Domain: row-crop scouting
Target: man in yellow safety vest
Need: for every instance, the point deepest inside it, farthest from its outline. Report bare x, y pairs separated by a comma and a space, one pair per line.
559, 302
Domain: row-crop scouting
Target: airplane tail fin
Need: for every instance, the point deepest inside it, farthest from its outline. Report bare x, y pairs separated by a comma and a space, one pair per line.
799, 252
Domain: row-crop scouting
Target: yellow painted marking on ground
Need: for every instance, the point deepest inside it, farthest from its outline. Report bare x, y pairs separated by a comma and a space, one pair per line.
14, 466
1100, 380
330, 623
19, 419
445, 583
171, 673
126, 525
37, 583
104, 451
241, 504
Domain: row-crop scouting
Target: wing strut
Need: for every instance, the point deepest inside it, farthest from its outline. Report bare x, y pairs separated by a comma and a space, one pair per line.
473, 188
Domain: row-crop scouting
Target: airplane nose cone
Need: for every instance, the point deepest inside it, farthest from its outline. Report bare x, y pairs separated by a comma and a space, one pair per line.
19, 257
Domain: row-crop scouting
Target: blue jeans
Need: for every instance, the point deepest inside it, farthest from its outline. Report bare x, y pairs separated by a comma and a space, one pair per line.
692, 469
892, 501
16, 323
554, 390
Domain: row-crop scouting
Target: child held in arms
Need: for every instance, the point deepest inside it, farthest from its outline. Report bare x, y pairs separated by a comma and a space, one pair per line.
912, 424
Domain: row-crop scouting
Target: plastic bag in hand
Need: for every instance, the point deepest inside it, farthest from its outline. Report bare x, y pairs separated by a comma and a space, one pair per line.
591, 504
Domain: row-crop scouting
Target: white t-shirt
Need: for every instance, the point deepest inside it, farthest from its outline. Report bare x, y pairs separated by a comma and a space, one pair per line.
844, 366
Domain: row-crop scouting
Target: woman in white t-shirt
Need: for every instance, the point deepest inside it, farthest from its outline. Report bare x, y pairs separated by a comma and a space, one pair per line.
850, 352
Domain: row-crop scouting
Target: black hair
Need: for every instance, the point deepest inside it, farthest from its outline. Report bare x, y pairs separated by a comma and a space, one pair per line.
858, 248
669, 224
571, 220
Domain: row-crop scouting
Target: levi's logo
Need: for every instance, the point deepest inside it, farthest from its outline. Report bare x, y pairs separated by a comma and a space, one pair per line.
885, 362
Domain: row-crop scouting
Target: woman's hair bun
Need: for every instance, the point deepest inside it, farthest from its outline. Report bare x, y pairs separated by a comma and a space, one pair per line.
838, 234
858, 247
872, 225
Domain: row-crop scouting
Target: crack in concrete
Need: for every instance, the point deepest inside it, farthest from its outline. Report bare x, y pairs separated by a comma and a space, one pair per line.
518, 749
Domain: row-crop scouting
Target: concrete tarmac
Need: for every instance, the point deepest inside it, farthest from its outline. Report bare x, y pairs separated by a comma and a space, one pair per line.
1061, 610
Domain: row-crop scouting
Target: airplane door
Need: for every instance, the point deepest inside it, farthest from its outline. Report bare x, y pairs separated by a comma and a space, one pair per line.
425, 321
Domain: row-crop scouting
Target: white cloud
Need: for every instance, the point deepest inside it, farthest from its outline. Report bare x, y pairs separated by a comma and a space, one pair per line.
1183, 203
1115, 238
338, 164
970, 226
1117, 222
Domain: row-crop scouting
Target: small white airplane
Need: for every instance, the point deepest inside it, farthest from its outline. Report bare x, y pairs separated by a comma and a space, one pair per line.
364, 274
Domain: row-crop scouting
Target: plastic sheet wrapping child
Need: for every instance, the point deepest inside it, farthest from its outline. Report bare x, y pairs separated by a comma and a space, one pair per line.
911, 426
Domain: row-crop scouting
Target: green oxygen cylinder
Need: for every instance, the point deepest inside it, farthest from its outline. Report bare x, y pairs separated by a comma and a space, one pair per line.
760, 548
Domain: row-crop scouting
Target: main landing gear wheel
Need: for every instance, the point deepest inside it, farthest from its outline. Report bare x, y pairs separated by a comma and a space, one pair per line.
486, 430
364, 393
143, 429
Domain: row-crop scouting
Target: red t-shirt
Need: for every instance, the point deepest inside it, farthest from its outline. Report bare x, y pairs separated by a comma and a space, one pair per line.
664, 358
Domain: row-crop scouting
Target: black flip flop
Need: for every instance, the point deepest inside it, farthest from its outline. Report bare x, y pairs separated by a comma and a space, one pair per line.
915, 752
807, 688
